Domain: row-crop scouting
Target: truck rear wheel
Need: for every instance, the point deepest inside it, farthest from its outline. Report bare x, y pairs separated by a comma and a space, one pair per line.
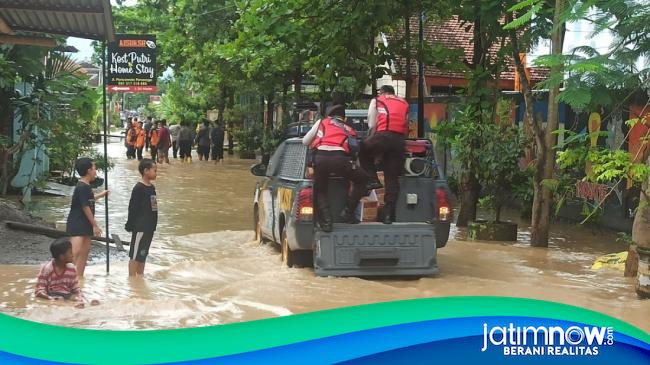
442, 234
288, 256
258, 233
257, 226
305, 258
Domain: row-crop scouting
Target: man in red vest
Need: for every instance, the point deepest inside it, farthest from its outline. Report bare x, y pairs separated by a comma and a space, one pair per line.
329, 140
388, 119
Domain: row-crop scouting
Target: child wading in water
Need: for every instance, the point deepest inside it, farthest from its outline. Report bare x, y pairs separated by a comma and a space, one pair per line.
81, 225
58, 279
143, 217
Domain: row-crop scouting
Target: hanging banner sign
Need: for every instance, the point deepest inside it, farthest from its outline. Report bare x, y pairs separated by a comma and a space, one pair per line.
590, 191
132, 64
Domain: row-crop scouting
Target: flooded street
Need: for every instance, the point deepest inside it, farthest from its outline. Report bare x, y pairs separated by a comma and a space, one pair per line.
204, 269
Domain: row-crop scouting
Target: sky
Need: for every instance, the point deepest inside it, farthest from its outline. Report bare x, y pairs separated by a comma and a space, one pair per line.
84, 46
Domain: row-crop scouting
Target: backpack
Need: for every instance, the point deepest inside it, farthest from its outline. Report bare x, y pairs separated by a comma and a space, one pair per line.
353, 143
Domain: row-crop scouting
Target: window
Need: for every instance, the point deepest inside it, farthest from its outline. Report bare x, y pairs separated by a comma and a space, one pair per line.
274, 161
293, 161
358, 123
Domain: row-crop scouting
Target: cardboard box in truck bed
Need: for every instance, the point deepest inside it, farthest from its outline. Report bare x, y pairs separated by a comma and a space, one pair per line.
367, 209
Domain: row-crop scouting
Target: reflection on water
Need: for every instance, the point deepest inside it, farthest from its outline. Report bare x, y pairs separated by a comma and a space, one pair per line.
204, 268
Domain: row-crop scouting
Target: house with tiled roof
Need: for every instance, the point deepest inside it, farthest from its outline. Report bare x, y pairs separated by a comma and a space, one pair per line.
441, 103
455, 35
94, 73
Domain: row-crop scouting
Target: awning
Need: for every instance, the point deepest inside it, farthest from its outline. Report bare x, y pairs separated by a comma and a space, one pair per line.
90, 19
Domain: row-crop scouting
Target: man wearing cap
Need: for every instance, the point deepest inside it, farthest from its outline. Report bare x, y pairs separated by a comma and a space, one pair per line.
329, 140
388, 121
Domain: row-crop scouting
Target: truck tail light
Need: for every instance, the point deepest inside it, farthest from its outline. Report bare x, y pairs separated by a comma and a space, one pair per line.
445, 211
305, 206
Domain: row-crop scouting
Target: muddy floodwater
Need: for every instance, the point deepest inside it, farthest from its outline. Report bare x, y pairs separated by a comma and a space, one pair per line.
205, 269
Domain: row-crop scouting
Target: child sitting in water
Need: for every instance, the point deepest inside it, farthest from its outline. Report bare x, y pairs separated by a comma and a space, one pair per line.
57, 279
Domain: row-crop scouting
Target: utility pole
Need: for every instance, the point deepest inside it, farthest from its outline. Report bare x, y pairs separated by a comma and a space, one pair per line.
103, 85
421, 79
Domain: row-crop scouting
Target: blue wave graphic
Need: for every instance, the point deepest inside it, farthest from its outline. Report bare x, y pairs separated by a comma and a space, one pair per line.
443, 341
7, 358
455, 351
453, 341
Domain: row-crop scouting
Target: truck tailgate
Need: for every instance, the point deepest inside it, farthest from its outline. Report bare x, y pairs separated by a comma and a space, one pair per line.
375, 249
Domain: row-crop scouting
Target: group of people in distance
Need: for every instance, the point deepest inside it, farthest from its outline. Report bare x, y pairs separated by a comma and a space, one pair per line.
152, 136
58, 279
157, 138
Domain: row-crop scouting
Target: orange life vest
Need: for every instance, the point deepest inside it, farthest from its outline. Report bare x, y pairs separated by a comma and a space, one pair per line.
392, 114
131, 137
139, 143
331, 133
154, 137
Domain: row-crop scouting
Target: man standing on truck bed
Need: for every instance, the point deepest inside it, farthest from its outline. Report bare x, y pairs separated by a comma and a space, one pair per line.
387, 117
329, 139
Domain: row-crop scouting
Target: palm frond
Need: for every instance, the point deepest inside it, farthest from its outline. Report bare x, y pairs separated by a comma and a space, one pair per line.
61, 64
586, 50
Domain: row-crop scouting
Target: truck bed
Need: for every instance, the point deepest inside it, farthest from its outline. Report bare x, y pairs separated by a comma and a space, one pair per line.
376, 249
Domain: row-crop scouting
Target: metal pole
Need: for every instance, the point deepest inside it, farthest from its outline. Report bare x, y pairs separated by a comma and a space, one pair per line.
421, 79
105, 152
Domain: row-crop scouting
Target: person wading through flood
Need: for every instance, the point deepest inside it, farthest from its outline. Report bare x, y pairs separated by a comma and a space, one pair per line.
329, 140
185, 142
216, 138
143, 217
81, 224
140, 139
129, 139
173, 132
148, 124
203, 141
164, 142
153, 141
388, 118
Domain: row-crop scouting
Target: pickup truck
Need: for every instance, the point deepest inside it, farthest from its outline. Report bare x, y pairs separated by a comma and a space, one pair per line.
283, 213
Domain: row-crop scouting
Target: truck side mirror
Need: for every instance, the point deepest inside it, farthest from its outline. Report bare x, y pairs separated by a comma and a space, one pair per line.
258, 169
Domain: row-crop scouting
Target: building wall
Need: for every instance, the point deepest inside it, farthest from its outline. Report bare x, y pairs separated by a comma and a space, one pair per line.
619, 206
398, 85
34, 163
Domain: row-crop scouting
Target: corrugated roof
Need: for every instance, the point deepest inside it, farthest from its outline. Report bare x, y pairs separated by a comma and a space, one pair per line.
91, 19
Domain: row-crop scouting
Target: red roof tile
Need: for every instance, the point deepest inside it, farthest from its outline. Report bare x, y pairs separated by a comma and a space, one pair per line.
453, 34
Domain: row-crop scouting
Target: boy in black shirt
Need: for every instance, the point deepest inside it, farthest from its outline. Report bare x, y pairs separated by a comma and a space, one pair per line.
143, 217
81, 224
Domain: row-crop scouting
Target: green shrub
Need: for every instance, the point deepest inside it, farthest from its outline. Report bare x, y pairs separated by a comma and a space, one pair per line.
248, 139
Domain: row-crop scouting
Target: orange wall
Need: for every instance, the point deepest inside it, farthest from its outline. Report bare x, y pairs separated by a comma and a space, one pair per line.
436, 81
641, 129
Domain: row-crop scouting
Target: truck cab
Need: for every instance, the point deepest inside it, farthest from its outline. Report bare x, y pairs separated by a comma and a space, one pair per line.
284, 214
